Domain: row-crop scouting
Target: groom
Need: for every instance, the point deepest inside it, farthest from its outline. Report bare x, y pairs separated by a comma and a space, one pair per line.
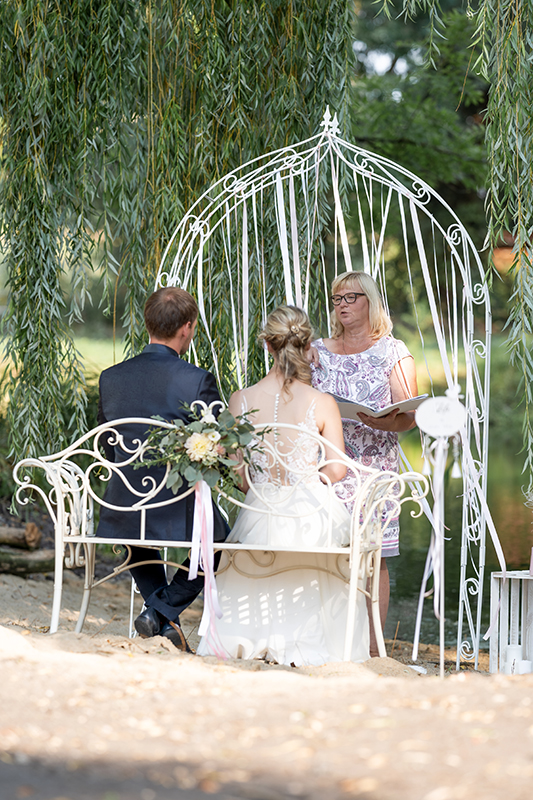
156, 382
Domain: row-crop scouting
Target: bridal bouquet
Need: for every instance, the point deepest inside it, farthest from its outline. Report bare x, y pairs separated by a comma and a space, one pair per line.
200, 450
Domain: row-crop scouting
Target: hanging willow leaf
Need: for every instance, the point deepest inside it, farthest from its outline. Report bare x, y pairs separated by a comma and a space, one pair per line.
116, 116
503, 38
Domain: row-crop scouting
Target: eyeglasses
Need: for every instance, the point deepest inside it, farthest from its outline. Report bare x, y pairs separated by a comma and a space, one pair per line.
351, 297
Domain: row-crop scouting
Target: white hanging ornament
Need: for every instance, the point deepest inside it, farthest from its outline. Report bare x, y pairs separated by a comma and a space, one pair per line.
426, 468
456, 469
442, 416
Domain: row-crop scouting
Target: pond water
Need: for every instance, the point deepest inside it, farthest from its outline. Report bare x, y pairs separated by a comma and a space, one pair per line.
513, 521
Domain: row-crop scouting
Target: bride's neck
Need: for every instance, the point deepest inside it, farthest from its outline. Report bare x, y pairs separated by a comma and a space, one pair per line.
275, 375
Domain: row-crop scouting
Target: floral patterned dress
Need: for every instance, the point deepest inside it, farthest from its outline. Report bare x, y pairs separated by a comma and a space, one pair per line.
365, 378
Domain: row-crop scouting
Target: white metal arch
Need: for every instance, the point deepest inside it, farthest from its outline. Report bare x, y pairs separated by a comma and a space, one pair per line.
259, 236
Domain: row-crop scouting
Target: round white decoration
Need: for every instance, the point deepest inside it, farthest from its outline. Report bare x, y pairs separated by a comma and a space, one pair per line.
441, 416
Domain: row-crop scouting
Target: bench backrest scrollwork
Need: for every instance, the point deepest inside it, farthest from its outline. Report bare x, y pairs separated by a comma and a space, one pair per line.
75, 480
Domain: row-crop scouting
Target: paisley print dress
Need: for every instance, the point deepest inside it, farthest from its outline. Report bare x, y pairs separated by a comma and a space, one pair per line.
365, 378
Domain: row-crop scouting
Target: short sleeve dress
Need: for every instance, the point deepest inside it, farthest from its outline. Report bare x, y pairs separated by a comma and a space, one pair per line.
365, 378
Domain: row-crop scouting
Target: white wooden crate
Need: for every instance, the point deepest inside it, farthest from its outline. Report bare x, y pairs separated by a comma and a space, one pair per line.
514, 625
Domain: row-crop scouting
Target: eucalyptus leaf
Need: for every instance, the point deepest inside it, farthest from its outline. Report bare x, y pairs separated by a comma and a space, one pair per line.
192, 475
211, 477
174, 481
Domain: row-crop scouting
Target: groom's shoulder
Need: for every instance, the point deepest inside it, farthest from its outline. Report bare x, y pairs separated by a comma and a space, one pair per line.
188, 369
146, 361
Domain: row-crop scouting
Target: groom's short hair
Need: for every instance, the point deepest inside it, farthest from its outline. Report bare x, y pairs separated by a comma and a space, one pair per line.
167, 310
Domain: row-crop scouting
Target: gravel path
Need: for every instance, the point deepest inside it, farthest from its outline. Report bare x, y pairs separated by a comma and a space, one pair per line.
98, 716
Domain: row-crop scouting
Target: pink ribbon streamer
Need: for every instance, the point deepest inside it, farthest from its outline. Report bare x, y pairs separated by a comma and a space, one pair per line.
203, 556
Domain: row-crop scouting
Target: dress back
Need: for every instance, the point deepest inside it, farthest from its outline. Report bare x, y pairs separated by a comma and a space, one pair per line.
297, 453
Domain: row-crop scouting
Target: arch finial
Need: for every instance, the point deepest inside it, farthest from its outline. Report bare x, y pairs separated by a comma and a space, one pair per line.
329, 123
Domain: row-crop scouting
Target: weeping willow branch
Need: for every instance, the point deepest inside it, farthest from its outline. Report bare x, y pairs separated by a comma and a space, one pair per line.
116, 115
503, 36
433, 10
509, 51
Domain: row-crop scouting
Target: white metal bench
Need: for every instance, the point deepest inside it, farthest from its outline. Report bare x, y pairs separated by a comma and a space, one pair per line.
75, 473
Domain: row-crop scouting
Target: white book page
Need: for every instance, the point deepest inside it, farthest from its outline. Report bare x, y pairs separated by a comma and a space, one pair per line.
351, 410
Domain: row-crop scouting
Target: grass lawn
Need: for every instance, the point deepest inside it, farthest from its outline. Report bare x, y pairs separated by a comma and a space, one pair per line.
98, 354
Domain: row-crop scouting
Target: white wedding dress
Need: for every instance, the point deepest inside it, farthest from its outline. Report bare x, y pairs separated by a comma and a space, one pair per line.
290, 616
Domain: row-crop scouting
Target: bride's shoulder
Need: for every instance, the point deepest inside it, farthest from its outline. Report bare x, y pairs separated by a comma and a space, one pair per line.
322, 399
237, 402
245, 399
238, 395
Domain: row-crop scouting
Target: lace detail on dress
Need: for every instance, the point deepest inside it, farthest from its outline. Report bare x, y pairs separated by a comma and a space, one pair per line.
297, 455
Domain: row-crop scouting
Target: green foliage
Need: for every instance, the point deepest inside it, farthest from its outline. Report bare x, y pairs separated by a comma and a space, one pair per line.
432, 11
505, 30
505, 421
504, 44
428, 121
425, 119
116, 115
201, 449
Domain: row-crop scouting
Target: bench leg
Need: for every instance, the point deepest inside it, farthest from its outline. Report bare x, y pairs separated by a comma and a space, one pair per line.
374, 602
90, 551
352, 600
58, 586
494, 634
132, 632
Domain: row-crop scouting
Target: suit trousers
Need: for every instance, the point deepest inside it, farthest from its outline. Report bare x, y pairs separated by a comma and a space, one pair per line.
168, 599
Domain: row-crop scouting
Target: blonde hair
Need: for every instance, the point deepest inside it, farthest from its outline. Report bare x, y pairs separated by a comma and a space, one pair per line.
289, 332
380, 322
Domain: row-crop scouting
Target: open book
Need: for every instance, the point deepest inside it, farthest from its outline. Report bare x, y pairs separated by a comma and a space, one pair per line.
351, 410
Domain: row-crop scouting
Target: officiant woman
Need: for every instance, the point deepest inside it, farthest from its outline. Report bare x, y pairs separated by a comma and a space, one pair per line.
364, 363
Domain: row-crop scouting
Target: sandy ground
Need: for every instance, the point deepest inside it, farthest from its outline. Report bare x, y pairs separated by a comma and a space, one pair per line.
104, 717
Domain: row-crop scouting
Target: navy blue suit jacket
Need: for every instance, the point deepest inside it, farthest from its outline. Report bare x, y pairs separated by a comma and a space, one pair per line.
155, 383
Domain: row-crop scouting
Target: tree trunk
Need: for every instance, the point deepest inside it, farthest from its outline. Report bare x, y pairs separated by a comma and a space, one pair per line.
18, 562
29, 537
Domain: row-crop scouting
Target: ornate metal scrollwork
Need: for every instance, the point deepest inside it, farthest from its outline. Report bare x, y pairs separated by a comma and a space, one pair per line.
421, 192
455, 234
479, 293
467, 651
362, 163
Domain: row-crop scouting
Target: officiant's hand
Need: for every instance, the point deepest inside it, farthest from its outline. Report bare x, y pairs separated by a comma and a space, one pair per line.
393, 422
312, 356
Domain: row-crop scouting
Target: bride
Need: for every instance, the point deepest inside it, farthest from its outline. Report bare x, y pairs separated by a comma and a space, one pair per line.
290, 616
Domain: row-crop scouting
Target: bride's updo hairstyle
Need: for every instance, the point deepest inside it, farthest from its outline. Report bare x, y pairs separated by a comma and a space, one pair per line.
289, 332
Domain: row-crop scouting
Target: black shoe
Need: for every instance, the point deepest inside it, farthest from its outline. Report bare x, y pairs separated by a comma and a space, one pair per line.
174, 632
148, 623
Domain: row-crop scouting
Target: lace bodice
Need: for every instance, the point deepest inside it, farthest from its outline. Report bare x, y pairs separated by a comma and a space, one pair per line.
297, 453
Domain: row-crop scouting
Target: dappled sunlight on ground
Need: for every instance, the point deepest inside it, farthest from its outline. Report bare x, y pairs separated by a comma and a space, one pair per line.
97, 715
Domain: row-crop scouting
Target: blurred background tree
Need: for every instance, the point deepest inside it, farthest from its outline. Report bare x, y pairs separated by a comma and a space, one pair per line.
428, 120
501, 49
